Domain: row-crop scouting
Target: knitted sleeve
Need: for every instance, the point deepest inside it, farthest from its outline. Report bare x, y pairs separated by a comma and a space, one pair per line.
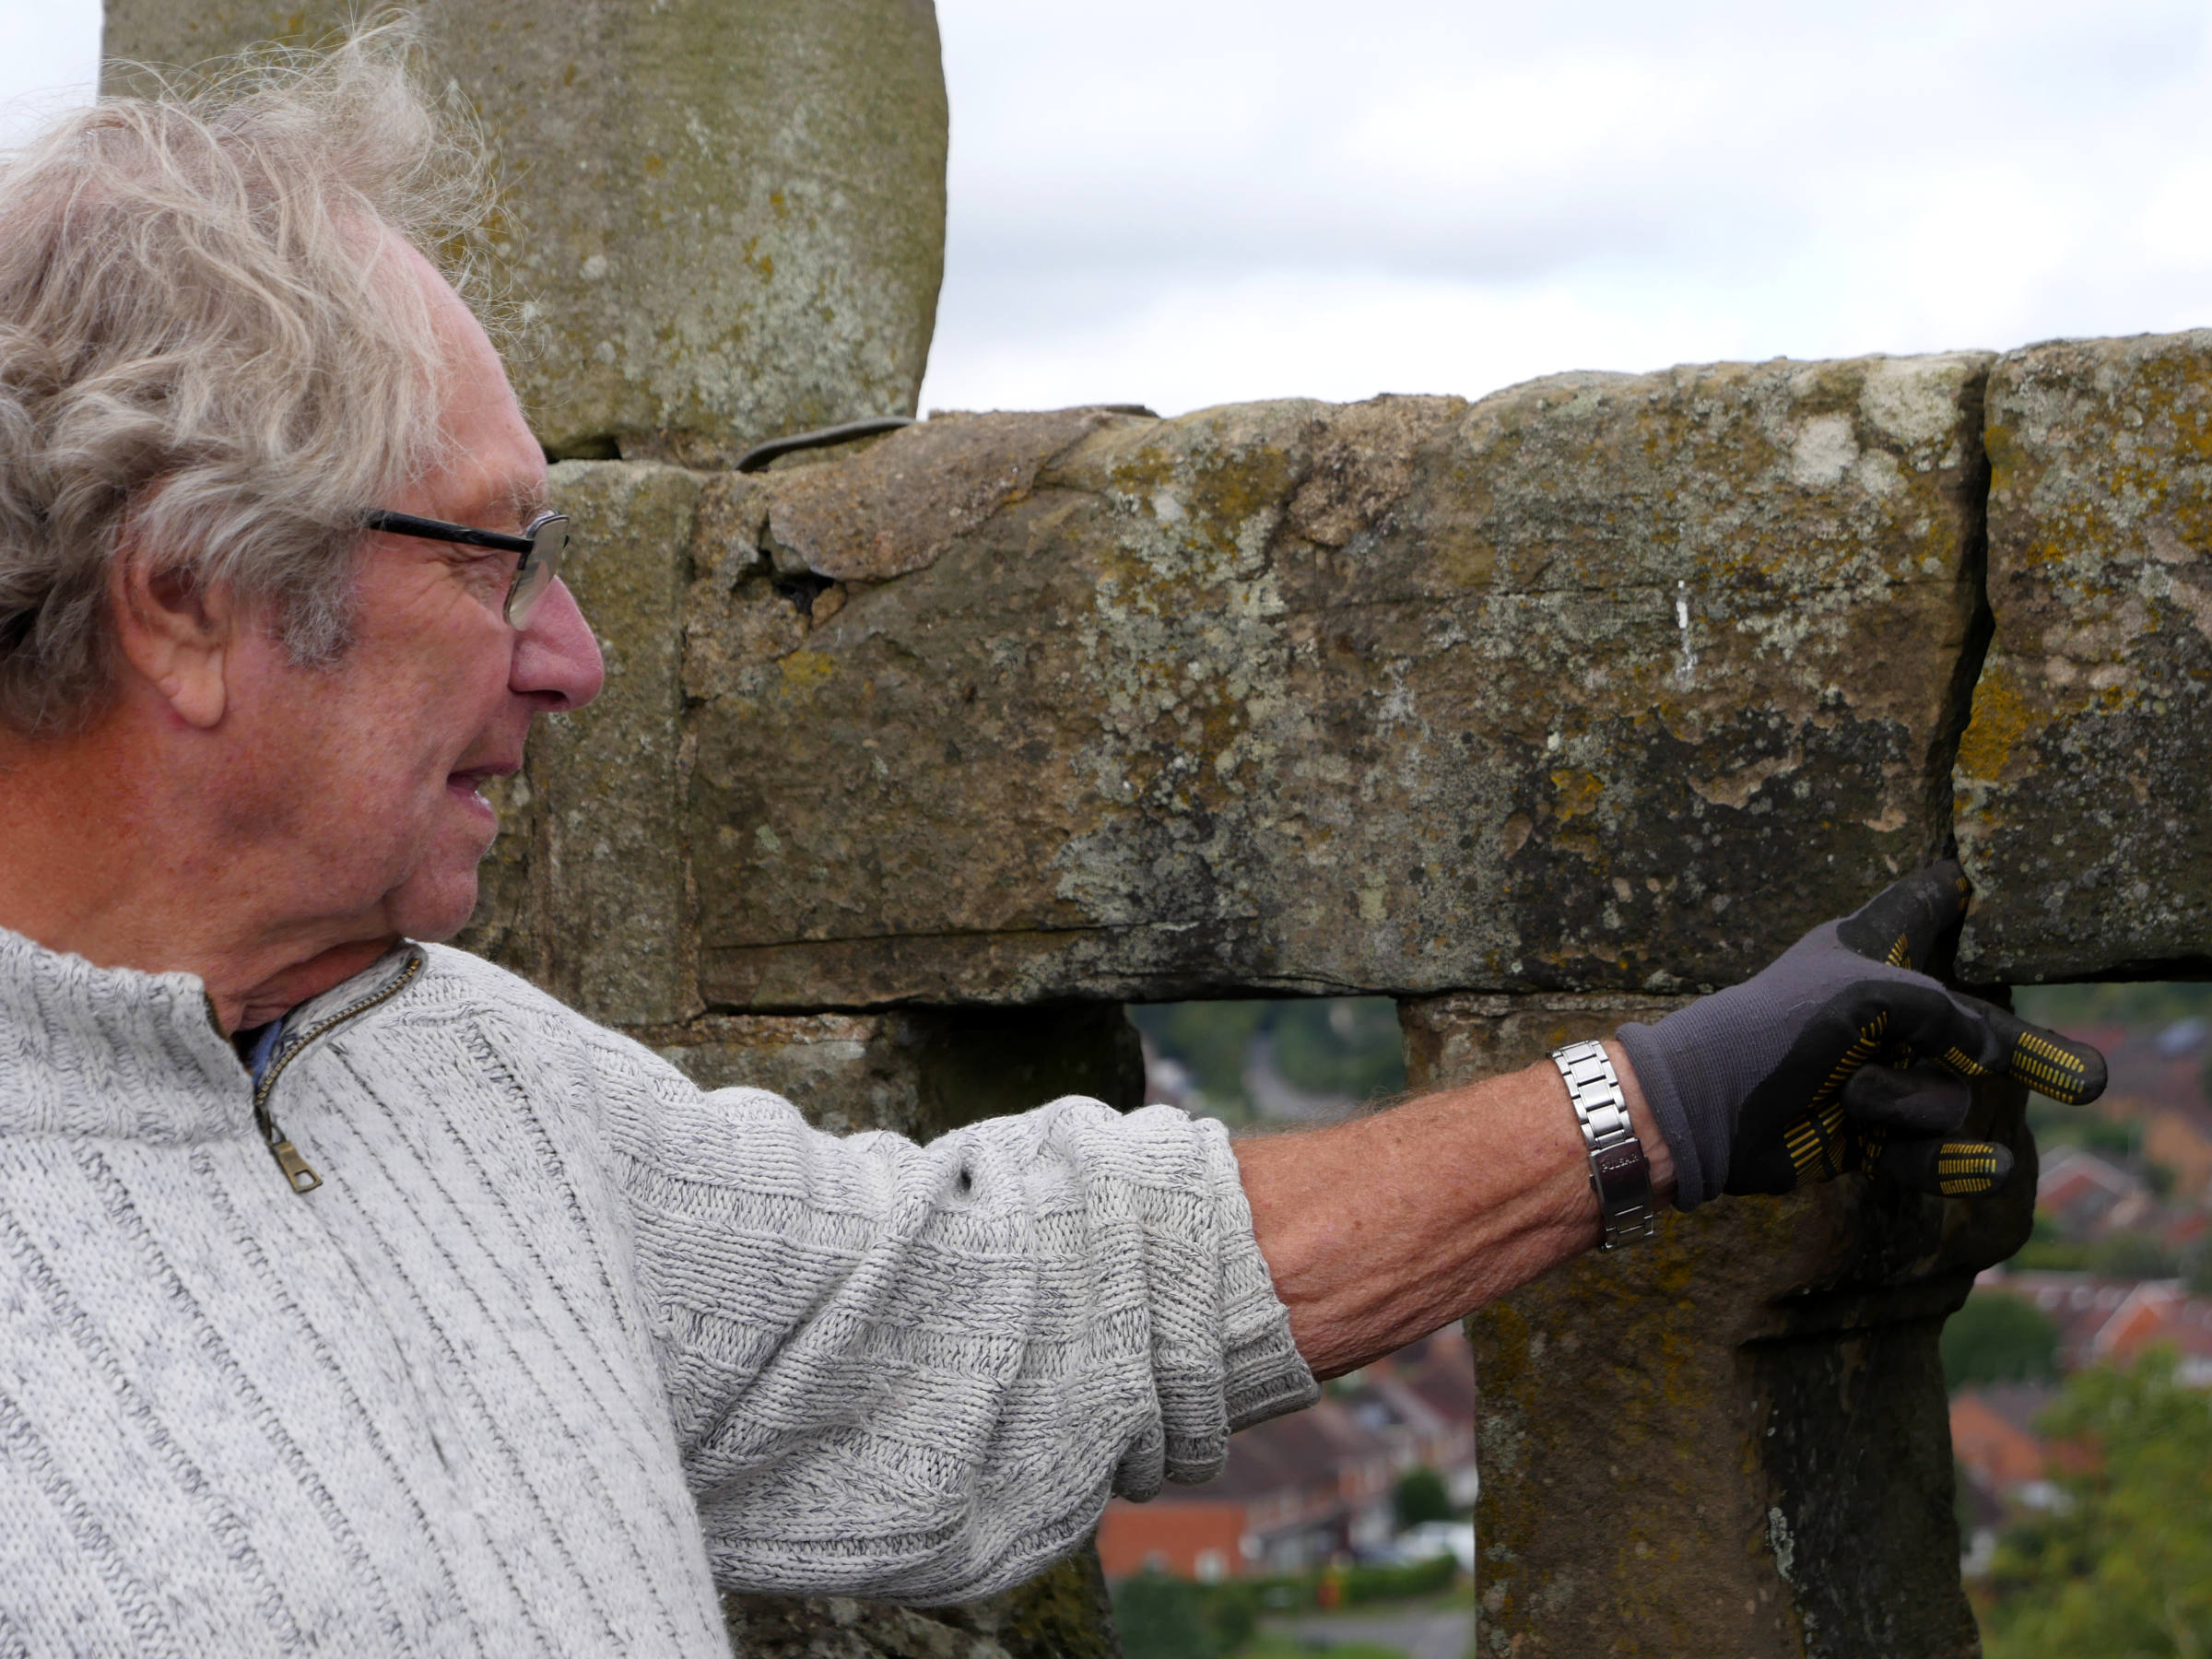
917, 1372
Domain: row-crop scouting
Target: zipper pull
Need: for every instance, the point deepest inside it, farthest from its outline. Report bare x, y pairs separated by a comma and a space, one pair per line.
297, 1170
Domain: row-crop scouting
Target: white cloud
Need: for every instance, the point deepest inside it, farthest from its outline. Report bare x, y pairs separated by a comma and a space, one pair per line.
1288, 335
1196, 200
1200, 203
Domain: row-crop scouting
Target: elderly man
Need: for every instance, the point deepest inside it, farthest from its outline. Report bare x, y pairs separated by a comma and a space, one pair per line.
355, 1294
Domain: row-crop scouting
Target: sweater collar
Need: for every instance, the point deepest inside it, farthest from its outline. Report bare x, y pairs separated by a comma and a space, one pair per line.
113, 1052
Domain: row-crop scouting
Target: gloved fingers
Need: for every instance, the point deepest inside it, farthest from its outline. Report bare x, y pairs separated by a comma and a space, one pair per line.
1922, 1100
1816, 1146
1901, 924
1950, 1168
2046, 1061
1972, 1038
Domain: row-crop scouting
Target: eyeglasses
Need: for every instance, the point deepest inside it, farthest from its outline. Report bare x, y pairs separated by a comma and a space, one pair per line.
541, 543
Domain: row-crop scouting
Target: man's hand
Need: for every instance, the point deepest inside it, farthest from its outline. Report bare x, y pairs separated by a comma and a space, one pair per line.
1844, 1055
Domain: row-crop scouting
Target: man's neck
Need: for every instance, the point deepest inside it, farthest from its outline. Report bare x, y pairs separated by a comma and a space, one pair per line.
93, 862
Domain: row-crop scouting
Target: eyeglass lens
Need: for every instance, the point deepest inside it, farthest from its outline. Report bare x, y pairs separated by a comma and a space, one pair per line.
549, 539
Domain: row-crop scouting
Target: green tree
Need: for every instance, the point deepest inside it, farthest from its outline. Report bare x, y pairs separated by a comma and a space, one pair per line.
1348, 1045
1420, 1495
2124, 1571
2200, 1271
1998, 1337
2136, 1003
1210, 1039
2132, 1256
1163, 1618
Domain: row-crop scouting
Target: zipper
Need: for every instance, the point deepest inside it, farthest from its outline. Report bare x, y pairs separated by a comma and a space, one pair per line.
298, 1171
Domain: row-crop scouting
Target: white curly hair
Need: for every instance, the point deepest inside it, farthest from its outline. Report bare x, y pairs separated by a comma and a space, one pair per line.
208, 356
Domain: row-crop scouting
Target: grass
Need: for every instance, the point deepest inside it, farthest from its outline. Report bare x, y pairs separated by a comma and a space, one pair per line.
1278, 1644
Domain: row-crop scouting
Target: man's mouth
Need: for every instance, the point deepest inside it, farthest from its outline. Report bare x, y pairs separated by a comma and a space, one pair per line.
470, 781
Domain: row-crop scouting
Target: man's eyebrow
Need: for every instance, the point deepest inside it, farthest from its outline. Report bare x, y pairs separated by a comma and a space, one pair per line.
524, 498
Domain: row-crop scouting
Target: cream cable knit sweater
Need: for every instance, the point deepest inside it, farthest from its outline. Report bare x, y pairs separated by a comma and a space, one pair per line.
562, 1342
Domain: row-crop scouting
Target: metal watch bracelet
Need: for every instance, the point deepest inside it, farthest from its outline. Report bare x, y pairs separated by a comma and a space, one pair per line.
1619, 1174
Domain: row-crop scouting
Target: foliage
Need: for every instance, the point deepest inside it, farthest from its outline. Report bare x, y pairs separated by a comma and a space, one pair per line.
2132, 1256
1163, 1618
1998, 1337
1277, 1646
1348, 1045
2124, 1570
1420, 1495
1359, 1585
2139, 1006
2057, 1125
2200, 1273
1209, 1038
2121, 1255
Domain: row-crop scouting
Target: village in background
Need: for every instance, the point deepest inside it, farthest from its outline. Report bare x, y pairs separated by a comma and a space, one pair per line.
1348, 1528
2081, 1422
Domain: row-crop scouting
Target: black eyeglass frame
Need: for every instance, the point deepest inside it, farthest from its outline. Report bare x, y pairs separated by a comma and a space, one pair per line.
541, 543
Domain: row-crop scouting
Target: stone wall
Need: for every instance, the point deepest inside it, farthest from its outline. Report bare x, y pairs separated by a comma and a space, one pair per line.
1533, 712
2082, 806
1600, 682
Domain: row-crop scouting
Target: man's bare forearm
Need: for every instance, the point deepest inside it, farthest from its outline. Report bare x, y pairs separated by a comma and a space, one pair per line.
1381, 1229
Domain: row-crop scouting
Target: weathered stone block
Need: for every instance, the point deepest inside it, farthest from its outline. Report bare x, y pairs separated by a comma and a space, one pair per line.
1601, 682
724, 219
1059, 1614
587, 890
2082, 815
1752, 1404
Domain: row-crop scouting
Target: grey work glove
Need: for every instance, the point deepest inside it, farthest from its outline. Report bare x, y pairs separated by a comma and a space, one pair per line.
1842, 1055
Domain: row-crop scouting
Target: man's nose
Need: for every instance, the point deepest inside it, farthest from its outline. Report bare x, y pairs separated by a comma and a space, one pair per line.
557, 660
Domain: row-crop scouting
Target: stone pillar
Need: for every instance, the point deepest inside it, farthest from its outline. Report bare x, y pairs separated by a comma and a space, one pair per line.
722, 219
1733, 1440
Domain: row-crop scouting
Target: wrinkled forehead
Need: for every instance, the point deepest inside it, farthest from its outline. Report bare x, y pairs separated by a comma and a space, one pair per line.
488, 448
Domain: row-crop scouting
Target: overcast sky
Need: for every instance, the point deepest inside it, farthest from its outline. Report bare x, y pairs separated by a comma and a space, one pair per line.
1185, 202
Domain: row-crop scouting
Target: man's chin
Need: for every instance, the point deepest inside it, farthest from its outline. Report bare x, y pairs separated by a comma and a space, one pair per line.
435, 908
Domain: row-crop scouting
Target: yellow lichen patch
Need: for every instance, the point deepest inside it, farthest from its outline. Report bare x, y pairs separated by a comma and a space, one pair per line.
2001, 717
1579, 792
1214, 496
2001, 445
805, 672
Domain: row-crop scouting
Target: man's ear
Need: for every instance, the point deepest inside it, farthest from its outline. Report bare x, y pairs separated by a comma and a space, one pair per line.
176, 632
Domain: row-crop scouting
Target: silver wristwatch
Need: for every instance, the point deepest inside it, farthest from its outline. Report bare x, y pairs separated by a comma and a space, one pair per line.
1618, 1172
